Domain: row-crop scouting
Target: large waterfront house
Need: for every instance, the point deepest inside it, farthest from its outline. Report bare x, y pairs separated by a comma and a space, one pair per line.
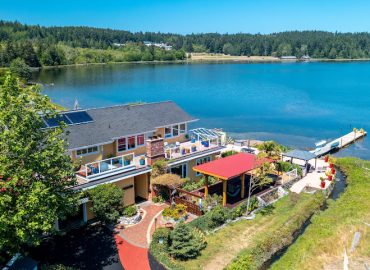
118, 144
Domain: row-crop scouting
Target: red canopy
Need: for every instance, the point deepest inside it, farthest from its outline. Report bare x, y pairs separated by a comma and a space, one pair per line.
231, 166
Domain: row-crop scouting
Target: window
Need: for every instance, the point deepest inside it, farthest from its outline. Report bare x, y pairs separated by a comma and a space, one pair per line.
122, 144
175, 130
167, 132
131, 144
180, 170
87, 151
140, 139
202, 161
182, 128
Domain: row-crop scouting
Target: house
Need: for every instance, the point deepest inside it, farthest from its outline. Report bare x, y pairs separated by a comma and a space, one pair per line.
118, 144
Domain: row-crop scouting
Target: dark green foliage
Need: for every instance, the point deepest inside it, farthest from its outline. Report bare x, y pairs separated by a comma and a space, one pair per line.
228, 153
129, 211
107, 202
35, 44
212, 219
191, 184
35, 170
184, 243
19, 68
283, 166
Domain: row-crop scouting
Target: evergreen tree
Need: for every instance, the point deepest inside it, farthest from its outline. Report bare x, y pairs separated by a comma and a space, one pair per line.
184, 244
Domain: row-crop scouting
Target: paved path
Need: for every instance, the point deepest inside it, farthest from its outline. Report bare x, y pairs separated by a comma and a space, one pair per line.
133, 242
131, 256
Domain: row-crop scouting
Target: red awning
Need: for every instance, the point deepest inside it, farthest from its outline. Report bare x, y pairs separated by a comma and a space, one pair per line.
231, 166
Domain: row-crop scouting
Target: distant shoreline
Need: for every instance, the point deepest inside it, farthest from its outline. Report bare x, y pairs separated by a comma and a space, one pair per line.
209, 59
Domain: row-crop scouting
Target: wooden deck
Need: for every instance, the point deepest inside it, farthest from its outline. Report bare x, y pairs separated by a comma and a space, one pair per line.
342, 142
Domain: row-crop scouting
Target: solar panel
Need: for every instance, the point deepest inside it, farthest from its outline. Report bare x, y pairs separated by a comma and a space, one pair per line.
79, 117
55, 121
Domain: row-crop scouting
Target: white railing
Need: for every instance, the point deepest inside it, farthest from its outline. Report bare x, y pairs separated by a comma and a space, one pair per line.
109, 166
186, 148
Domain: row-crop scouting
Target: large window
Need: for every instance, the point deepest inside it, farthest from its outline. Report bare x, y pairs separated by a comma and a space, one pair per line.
182, 128
167, 132
140, 139
202, 161
87, 151
131, 142
180, 170
175, 130
122, 144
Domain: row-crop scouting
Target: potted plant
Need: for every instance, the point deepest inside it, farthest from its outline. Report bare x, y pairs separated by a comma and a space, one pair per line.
142, 161
193, 148
326, 159
331, 165
322, 185
330, 176
332, 171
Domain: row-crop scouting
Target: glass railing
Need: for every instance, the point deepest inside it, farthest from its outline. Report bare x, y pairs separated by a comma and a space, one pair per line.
110, 165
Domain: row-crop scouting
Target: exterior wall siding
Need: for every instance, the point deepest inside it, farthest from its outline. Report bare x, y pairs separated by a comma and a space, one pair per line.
142, 185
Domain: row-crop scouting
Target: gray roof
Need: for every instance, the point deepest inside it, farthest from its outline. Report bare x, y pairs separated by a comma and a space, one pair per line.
300, 154
110, 123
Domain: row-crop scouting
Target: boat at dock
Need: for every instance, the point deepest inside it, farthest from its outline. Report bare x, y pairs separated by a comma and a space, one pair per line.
341, 142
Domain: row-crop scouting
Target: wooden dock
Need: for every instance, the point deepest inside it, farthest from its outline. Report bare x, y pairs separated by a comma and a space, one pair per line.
339, 143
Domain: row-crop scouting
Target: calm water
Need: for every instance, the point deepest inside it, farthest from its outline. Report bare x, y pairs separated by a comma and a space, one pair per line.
295, 103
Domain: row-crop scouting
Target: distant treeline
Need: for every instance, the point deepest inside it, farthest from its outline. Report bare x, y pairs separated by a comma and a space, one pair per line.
39, 45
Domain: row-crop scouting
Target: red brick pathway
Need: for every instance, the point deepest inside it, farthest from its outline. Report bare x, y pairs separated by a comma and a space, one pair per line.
136, 234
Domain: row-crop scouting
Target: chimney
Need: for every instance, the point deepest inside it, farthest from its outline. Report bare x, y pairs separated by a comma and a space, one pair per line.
154, 149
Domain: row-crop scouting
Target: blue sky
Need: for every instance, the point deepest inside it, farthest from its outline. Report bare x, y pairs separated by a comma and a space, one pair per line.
249, 16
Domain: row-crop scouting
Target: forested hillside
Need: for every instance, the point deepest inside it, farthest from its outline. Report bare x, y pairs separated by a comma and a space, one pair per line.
39, 45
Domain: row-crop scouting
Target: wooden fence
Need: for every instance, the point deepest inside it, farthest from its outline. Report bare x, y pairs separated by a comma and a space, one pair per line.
190, 207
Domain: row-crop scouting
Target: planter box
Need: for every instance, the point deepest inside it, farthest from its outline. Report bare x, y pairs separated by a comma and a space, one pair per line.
142, 162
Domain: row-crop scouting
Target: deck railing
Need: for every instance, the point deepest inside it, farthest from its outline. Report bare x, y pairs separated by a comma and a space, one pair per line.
109, 166
186, 148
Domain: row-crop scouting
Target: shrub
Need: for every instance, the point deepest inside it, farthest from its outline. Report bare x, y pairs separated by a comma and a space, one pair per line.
228, 153
159, 168
107, 202
158, 199
176, 212
191, 184
218, 216
129, 211
239, 210
185, 243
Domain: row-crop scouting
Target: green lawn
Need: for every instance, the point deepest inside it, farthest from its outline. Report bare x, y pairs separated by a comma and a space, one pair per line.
231, 241
323, 243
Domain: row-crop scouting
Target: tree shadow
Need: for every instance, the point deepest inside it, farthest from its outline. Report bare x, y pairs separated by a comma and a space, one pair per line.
91, 247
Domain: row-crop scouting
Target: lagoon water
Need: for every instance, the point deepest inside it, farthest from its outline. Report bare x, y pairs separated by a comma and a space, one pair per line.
295, 104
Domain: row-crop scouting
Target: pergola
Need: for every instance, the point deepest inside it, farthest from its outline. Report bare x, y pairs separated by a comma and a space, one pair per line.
306, 156
227, 168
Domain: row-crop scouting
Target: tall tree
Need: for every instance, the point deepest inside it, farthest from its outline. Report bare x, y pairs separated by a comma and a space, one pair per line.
35, 169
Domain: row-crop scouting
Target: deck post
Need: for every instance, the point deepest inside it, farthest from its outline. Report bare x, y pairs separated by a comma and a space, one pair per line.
242, 193
206, 186
224, 190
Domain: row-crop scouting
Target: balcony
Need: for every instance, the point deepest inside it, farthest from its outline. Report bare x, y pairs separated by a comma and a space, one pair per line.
179, 150
111, 166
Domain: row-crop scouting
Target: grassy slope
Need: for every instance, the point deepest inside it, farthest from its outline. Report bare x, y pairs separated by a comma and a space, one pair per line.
224, 245
322, 245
